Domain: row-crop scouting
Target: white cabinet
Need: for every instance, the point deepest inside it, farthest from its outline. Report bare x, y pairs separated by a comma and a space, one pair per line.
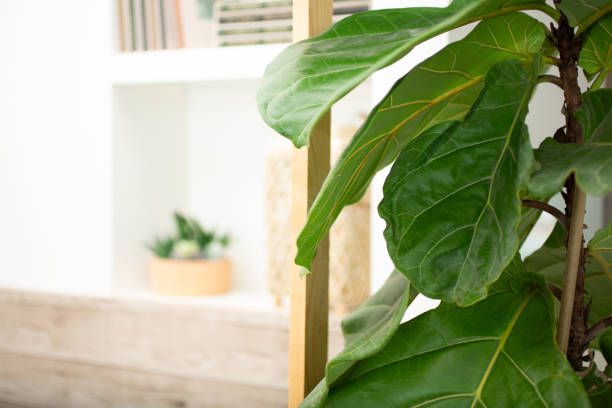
97, 148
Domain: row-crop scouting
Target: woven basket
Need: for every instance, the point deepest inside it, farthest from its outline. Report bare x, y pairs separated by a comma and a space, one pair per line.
278, 212
349, 282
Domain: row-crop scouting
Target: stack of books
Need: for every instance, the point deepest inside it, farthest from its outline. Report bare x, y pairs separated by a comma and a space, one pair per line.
164, 24
243, 22
169, 24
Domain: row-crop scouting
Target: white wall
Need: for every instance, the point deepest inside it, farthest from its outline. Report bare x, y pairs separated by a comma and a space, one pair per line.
150, 174
54, 145
226, 156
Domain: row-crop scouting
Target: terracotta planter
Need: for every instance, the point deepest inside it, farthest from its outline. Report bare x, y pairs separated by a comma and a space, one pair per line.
190, 277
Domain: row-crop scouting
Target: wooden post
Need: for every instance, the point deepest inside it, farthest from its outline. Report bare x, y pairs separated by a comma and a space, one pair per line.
309, 294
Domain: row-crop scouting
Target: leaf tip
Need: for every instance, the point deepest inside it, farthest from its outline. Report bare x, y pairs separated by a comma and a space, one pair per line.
304, 271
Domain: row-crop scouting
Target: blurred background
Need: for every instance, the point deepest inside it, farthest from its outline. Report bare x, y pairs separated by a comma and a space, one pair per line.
114, 115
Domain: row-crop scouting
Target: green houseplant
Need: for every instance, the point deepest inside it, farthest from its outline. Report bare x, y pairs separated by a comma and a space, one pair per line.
465, 189
190, 261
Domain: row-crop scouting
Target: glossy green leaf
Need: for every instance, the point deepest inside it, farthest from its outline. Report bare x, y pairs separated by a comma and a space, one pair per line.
440, 89
452, 209
550, 261
594, 115
317, 396
366, 331
371, 325
302, 83
591, 162
605, 345
596, 53
583, 13
499, 352
600, 249
598, 391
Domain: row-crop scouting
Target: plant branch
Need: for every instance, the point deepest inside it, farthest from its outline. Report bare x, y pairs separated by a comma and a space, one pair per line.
572, 263
555, 290
554, 14
551, 60
571, 325
555, 212
596, 329
551, 79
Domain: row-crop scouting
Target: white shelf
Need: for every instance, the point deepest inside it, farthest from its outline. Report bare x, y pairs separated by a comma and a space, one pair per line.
237, 300
192, 65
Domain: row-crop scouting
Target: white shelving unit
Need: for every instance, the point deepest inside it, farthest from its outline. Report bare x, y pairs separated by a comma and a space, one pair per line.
197, 137
98, 148
192, 65
101, 147
186, 122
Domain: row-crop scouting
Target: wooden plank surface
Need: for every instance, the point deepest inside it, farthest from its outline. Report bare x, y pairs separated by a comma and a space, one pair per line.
308, 337
136, 341
177, 340
37, 382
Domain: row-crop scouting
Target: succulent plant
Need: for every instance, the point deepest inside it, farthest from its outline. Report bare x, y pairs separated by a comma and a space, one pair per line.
191, 241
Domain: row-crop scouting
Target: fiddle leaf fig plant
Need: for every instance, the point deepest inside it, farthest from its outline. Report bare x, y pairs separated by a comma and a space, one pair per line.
465, 189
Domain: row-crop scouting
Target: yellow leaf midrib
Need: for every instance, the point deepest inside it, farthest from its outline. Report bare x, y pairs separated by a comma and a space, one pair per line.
500, 347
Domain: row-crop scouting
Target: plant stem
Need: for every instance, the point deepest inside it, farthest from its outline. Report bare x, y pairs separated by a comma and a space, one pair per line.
550, 60
554, 14
572, 263
572, 327
555, 212
556, 291
551, 79
596, 329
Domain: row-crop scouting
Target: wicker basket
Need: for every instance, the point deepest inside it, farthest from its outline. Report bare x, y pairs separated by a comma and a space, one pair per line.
349, 251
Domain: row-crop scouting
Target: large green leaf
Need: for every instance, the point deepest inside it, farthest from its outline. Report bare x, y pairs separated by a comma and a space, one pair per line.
497, 353
598, 387
605, 345
440, 89
302, 83
366, 331
596, 53
371, 326
599, 392
550, 262
583, 13
452, 208
600, 249
594, 115
591, 162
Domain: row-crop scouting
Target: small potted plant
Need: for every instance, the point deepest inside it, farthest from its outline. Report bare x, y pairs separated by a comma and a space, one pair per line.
190, 262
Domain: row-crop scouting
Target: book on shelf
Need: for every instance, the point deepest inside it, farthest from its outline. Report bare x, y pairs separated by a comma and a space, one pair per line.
170, 24
146, 25
244, 22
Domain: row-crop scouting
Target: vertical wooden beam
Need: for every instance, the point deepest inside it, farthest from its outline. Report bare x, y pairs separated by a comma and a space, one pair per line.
309, 295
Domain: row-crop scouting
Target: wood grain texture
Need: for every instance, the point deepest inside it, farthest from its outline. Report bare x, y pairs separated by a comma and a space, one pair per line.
140, 341
41, 382
308, 339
